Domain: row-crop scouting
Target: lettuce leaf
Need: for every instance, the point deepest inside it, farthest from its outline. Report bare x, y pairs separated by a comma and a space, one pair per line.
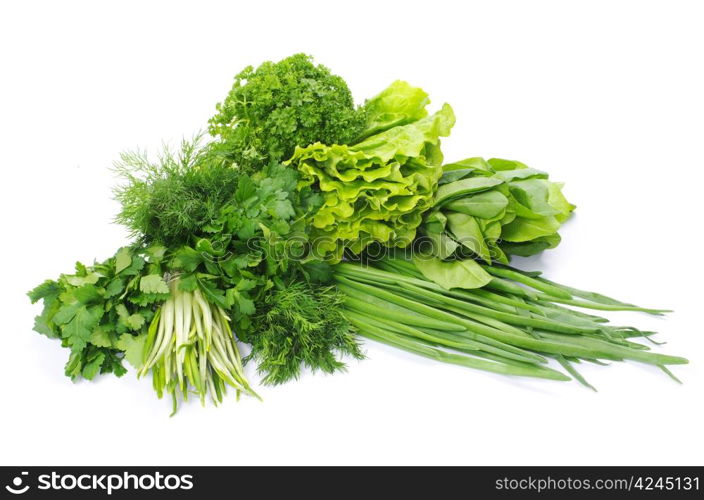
465, 274
398, 104
376, 190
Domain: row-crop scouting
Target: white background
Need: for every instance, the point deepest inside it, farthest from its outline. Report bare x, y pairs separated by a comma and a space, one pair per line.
607, 96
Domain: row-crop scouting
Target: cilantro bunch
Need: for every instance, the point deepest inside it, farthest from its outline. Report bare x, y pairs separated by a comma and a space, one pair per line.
101, 312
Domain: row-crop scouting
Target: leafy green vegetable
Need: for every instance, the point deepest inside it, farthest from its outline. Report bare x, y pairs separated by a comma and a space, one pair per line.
375, 190
494, 208
133, 346
169, 200
97, 310
256, 239
301, 325
491, 328
464, 187
398, 104
240, 239
452, 274
278, 106
153, 283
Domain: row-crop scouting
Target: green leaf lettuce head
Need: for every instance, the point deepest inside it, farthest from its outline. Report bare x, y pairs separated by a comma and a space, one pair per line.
376, 190
274, 108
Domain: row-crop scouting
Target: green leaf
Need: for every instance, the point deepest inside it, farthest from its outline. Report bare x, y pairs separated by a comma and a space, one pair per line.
486, 205
490, 229
523, 173
45, 323
153, 283
121, 310
48, 289
134, 321
131, 321
73, 365
464, 187
114, 288
78, 331
280, 227
453, 274
101, 337
135, 267
87, 294
123, 259
206, 246
411, 139
41, 325
466, 231
443, 245
188, 283
187, 259
499, 164
528, 248
247, 229
533, 193
66, 313
283, 209
213, 294
156, 253
113, 364
133, 346
246, 305
558, 201
90, 279
398, 104
469, 164
318, 271
92, 367
246, 189
145, 299
244, 285
522, 229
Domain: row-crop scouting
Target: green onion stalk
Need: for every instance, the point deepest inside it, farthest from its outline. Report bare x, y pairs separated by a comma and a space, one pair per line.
190, 345
511, 326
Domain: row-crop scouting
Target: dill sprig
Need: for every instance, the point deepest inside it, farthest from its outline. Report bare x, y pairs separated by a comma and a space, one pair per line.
299, 325
170, 200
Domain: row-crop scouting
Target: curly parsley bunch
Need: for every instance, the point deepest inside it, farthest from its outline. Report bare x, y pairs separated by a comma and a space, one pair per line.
274, 108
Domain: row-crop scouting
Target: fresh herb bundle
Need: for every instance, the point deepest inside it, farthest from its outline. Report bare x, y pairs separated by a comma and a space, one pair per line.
101, 312
170, 199
300, 325
278, 106
240, 238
